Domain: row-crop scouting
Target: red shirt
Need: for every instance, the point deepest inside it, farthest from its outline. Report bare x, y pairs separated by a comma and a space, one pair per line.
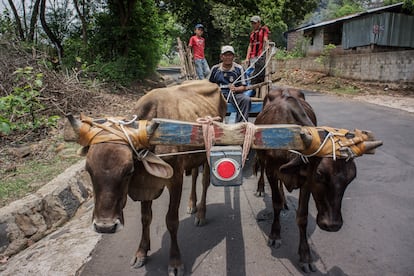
198, 44
257, 41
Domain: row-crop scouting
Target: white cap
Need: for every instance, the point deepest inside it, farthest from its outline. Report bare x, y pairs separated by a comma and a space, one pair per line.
226, 49
255, 19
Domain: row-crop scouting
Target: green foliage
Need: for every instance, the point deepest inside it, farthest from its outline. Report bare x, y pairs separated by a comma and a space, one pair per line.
228, 22
120, 71
325, 56
170, 30
348, 8
408, 5
126, 51
75, 53
6, 25
298, 52
20, 109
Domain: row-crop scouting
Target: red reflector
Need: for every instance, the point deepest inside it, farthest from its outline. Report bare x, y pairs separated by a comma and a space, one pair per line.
226, 169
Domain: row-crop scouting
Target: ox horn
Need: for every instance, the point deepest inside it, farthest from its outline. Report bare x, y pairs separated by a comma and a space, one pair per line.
370, 146
306, 138
151, 127
75, 123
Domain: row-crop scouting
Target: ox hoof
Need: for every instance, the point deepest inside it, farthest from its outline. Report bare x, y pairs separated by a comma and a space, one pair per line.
176, 271
199, 221
191, 210
307, 267
138, 262
259, 194
274, 243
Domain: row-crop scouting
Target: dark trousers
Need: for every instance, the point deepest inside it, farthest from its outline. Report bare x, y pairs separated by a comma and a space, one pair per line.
243, 102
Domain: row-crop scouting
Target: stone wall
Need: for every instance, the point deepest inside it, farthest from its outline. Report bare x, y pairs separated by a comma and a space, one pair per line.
397, 66
25, 221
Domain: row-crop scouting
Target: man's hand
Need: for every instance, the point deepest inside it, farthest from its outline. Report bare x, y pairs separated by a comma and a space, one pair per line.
237, 89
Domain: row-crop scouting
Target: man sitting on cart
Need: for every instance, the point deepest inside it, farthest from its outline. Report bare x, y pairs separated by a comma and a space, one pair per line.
230, 77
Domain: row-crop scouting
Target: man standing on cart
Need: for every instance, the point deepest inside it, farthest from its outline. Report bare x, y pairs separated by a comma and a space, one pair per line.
257, 39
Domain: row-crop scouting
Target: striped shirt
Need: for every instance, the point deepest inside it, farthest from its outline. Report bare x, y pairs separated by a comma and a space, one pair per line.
257, 41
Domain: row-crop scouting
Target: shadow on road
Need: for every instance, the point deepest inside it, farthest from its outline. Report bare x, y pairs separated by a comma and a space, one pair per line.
290, 234
196, 243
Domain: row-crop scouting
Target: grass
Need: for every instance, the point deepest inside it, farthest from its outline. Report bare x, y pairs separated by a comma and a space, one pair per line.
29, 175
348, 90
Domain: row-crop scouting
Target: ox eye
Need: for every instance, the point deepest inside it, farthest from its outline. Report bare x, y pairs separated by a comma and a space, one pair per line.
321, 176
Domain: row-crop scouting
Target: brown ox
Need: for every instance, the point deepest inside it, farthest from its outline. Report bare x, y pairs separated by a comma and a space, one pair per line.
260, 191
324, 178
116, 172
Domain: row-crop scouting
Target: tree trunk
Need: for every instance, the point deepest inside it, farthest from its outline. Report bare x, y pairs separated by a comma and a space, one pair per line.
84, 23
125, 13
48, 32
19, 28
33, 21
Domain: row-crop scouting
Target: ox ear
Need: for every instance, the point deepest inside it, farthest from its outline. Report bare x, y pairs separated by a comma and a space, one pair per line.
293, 173
294, 166
156, 166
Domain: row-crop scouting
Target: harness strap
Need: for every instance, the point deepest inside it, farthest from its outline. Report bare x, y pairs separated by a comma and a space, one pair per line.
113, 130
337, 143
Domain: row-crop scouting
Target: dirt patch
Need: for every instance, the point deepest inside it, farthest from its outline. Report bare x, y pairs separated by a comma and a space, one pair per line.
394, 95
328, 84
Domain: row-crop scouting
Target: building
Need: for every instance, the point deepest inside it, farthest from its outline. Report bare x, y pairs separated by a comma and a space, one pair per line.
387, 28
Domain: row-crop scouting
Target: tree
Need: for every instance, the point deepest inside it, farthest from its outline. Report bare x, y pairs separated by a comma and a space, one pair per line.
53, 38
33, 21
126, 40
407, 4
227, 21
19, 27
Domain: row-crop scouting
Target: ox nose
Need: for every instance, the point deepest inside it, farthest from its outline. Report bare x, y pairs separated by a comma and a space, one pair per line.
329, 224
107, 227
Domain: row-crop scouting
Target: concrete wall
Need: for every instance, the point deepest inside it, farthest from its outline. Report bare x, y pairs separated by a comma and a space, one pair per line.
395, 66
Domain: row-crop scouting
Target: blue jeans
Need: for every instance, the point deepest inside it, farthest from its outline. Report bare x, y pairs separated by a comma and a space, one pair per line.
202, 68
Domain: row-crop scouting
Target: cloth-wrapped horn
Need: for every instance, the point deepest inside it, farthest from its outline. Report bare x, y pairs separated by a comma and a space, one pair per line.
370, 146
75, 123
306, 138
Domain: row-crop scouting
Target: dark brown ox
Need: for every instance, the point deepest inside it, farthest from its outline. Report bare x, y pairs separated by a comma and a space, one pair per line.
297, 93
116, 172
324, 178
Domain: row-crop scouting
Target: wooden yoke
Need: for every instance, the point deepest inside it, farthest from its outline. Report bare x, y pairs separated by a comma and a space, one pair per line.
305, 140
287, 137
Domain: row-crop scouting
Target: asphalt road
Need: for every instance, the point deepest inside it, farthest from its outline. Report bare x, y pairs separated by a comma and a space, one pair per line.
376, 238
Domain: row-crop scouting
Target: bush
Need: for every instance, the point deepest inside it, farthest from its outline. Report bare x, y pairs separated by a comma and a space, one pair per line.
20, 109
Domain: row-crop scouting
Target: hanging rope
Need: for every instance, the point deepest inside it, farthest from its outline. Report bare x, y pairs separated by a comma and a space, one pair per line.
237, 80
248, 140
208, 133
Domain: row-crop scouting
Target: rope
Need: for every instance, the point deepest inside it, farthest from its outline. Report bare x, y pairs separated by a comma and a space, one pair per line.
208, 133
142, 153
251, 65
266, 64
237, 106
330, 136
251, 77
248, 140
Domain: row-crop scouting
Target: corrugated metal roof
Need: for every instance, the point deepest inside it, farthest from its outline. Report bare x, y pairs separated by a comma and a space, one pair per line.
344, 18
